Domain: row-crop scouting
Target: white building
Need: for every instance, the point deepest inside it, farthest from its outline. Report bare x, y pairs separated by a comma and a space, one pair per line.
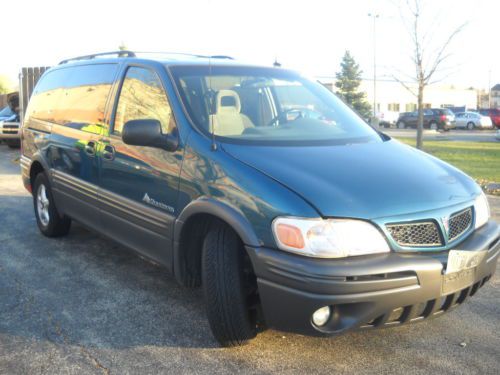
494, 99
392, 96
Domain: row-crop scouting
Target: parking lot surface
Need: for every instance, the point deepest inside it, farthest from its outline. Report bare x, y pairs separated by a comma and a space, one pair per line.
83, 304
452, 135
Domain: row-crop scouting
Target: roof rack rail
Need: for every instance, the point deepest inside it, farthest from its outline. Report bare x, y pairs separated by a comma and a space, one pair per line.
134, 54
221, 57
93, 56
185, 54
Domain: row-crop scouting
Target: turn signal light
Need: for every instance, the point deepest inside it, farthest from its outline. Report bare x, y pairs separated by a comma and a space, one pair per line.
290, 236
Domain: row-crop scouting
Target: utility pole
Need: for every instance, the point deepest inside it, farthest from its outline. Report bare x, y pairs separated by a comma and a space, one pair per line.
489, 88
374, 16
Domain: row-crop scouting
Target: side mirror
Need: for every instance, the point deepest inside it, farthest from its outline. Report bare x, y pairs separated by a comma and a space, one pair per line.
147, 132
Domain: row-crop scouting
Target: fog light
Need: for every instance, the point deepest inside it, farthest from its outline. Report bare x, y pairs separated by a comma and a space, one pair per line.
321, 316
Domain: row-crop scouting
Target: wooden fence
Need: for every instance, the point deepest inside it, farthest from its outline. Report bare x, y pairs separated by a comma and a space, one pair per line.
27, 81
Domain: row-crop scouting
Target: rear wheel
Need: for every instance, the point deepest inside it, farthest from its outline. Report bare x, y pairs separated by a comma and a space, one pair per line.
49, 221
229, 295
401, 125
433, 126
470, 125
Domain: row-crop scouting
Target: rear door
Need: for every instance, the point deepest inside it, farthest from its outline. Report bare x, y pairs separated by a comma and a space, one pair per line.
461, 119
139, 185
71, 103
413, 119
429, 116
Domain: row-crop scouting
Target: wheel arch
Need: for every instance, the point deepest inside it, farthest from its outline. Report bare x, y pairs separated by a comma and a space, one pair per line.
190, 228
37, 165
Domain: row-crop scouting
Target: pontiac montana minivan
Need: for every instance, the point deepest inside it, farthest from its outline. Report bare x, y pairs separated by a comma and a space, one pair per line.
260, 186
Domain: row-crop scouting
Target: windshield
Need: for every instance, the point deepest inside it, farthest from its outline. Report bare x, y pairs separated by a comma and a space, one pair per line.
7, 112
266, 105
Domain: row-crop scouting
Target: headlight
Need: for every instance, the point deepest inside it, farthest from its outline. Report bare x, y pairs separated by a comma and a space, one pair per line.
482, 210
331, 238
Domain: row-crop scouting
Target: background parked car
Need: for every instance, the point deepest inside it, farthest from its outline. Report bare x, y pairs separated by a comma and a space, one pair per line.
494, 114
471, 120
9, 121
388, 119
434, 118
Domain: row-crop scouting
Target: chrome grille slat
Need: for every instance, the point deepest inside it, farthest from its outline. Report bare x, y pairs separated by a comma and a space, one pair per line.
421, 234
459, 223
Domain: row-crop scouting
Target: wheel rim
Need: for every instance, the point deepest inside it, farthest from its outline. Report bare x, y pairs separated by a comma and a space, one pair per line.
42, 205
433, 126
401, 125
470, 126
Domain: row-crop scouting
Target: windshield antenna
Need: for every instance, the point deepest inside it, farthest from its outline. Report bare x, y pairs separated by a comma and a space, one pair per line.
211, 117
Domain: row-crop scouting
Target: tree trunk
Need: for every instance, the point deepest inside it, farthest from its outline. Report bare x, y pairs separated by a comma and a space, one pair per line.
420, 122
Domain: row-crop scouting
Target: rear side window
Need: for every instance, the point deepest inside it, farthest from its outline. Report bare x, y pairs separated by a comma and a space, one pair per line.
74, 96
142, 97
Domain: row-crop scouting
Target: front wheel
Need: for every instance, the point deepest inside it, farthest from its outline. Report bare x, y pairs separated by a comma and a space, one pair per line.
401, 125
49, 221
433, 126
226, 287
13, 143
470, 125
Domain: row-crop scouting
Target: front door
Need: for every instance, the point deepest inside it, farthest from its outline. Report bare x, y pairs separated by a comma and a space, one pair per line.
139, 185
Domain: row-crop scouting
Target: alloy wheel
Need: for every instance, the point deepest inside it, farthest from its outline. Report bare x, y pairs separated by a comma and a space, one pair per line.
42, 204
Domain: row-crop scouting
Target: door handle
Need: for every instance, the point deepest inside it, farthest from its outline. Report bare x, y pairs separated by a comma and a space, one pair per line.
90, 148
108, 152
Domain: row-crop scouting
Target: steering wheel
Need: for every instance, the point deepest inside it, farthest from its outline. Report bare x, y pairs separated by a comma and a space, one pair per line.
282, 115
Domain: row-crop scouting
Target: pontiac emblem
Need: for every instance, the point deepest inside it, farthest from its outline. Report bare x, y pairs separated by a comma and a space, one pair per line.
446, 224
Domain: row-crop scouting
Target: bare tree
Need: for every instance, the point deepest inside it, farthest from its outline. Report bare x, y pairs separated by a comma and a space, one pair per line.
426, 60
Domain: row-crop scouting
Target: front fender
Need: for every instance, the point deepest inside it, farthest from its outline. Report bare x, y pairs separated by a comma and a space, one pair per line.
231, 215
205, 205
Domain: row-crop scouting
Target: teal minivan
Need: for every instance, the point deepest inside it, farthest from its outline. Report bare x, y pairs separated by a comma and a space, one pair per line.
258, 185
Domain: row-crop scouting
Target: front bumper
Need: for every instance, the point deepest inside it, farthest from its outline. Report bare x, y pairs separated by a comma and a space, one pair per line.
9, 130
366, 291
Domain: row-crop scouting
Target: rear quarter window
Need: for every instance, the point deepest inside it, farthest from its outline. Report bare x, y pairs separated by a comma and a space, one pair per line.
73, 96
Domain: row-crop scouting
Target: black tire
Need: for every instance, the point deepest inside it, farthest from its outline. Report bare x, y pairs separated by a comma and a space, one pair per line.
231, 320
13, 143
470, 125
56, 225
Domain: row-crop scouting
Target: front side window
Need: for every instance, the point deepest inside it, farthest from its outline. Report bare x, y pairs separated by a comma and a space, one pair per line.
247, 104
142, 97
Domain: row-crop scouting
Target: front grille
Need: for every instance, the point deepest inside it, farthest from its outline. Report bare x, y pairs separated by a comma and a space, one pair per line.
10, 128
422, 234
459, 223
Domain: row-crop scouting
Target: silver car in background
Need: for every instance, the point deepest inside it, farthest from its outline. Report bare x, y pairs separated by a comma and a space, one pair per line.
472, 120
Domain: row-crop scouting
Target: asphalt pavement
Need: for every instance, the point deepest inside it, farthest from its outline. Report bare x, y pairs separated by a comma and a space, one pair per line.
452, 135
85, 305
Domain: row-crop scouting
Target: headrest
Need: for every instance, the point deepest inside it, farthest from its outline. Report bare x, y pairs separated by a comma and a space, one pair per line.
228, 101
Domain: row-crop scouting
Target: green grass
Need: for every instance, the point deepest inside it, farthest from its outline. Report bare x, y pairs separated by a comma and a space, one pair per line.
480, 160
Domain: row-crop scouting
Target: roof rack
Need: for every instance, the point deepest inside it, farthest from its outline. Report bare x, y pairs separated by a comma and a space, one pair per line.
185, 54
93, 56
134, 54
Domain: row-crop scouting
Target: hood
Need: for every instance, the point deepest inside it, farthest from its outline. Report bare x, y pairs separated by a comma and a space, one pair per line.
366, 181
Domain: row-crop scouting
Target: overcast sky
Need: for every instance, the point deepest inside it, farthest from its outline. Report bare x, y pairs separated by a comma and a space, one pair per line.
309, 35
